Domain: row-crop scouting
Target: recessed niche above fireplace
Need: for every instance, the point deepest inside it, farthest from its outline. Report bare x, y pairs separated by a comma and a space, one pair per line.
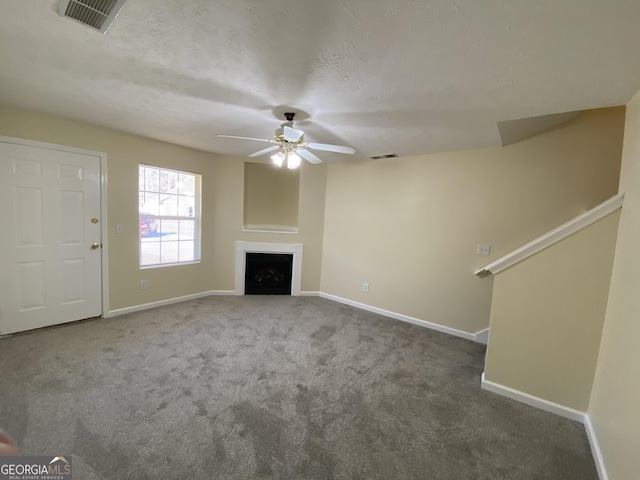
270, 198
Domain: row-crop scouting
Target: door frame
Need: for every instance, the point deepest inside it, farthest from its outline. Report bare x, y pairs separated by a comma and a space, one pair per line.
104, 228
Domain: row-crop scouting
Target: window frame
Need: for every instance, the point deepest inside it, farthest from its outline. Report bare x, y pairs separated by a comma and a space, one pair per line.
196, 218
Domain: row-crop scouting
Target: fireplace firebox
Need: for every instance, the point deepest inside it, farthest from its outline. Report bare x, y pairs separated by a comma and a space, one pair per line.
268, 273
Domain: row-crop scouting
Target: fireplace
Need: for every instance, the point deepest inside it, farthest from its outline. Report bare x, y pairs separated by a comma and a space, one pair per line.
268, 274
293, 250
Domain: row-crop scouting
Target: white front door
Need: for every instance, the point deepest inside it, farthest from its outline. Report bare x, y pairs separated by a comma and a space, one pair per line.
50, 260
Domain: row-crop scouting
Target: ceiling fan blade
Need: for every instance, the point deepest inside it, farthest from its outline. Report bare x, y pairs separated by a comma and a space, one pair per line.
248, 138
266, 150
292, 134
308, 156
331, 148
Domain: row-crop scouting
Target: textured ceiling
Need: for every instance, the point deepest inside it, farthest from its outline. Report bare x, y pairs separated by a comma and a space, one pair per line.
385, 76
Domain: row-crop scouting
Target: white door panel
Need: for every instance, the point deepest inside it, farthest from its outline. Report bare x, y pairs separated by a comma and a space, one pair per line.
50, 274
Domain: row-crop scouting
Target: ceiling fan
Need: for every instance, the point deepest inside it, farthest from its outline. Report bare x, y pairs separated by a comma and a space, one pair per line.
290, 145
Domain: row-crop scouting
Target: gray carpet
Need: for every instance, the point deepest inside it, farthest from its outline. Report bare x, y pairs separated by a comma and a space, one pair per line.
272, 387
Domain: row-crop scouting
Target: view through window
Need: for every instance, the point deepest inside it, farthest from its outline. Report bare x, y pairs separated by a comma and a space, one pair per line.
169, 211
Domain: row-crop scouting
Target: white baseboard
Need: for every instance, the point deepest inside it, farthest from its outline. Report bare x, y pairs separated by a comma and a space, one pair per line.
168, 301
532, 401
482, 336
399, 316
309, 294
595, 449
558, 409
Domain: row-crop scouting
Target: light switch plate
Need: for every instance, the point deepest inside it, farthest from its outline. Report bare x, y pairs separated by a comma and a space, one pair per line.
483, 249
119, 228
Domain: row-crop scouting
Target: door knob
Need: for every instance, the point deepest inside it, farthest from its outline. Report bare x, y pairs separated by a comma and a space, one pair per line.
94, 246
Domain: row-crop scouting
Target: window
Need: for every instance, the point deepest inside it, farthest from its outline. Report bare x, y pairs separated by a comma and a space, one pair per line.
169, 211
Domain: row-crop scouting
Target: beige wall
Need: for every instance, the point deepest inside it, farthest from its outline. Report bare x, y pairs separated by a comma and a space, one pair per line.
270, 195
222, 206
409, 226
615, 402
547, 315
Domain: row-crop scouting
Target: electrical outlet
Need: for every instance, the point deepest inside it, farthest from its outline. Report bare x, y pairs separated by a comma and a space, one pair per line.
143, 284
365, 287
483, 249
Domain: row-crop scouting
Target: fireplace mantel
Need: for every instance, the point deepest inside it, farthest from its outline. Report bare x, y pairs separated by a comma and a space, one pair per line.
294, 248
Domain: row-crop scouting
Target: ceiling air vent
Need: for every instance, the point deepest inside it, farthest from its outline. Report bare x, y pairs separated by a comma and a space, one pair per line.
386, 155
97, 14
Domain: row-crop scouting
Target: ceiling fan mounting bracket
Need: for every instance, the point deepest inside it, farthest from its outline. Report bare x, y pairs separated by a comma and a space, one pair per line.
289, 116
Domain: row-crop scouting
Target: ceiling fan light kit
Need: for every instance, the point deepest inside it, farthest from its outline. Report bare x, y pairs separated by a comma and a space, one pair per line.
278, 158
293, 160
291, 145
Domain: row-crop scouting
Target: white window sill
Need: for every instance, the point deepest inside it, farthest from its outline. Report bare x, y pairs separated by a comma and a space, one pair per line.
162, 265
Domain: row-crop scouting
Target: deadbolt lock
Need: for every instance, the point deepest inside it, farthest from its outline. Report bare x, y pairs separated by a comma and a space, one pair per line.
94, 220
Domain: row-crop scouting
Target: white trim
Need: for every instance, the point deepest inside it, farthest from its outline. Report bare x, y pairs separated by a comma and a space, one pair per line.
595, 449
309, 294
553, 236
168, 301
557, 409
241, 258
532, 401
50, 146
270, 229
482, 336
163, 265
399, 316
104, 230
